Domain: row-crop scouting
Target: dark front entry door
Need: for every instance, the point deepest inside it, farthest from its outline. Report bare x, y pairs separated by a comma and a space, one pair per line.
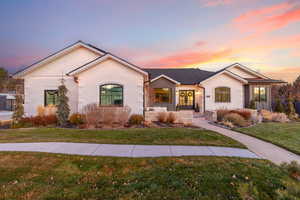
186, 99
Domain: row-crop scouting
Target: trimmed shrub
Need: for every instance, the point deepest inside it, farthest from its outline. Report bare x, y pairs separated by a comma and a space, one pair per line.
63, 109
278, 106
244, 113
171, 118
109, 114
162, 117
221, 113
236, 119
136, 119
77, 119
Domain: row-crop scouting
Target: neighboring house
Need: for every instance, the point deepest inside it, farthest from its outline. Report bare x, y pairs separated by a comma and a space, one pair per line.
96, 76
7, 101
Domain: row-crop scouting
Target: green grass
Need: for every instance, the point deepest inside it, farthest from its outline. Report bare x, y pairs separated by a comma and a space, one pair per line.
150, 136
286, 135
64, 177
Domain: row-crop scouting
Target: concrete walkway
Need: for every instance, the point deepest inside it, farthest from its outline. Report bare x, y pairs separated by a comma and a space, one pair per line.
261, 148
119, 150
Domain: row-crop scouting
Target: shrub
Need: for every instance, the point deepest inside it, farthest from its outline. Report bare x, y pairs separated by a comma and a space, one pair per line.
123, 115
227, 123
290, 110
162, 117
236, 119
221, 113
266, 115
109, 114
41, 111
63, 109
279, 117
92, 115
252, 105
171, 118
278, 106
50, 110
136, 119
77, 119
244, 113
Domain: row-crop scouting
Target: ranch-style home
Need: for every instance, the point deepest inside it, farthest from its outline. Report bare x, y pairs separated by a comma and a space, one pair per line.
93, 75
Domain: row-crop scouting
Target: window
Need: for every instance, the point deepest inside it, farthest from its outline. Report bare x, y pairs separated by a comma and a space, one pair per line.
260, 93
111, 95
51, 97
162, 95
222, 94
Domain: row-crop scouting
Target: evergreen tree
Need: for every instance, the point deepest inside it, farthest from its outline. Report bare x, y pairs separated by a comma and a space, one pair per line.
279, 106
252, 104
19, 109
63, 109
296, 89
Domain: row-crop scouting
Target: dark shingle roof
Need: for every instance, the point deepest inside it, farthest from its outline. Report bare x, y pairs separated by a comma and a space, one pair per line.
186, 76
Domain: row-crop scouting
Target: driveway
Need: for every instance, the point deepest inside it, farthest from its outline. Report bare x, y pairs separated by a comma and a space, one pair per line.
261, 148
5, 115
119, 150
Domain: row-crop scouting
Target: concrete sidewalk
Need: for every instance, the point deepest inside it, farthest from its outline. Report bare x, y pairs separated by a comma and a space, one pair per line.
119, 150
261, 148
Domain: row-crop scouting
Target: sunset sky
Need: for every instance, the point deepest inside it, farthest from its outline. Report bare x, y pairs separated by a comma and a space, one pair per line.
209, 34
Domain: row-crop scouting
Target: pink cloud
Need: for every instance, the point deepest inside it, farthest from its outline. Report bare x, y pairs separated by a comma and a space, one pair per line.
269, 18
188, 58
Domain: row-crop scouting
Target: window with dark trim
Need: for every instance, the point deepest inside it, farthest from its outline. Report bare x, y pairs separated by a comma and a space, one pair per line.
222, 95
111, 95
162, 95
260, 93
51, 97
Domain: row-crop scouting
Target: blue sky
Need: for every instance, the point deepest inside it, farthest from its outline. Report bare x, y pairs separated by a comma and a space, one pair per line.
263, 34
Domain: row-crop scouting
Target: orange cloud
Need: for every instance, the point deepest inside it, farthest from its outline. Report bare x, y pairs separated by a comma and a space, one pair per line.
269, 18
189, 58
288, 74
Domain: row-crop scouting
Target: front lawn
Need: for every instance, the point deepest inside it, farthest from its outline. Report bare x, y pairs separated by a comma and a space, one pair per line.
63, 177
286, 135
157, 136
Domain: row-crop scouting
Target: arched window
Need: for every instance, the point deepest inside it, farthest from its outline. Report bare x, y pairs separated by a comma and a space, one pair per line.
222, 94
111, 95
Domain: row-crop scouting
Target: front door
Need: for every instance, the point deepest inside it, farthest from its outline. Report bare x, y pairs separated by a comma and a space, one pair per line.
186, 99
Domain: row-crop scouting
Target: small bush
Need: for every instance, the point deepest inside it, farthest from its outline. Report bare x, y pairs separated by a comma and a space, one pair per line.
77, 119
50, 110
244, 113
123, 115
221, 113
41, 111
92, 115
279, 117
227, 123
267, 115
236, 119
136, 119
171, 118
109, 114
252, 105
162, 117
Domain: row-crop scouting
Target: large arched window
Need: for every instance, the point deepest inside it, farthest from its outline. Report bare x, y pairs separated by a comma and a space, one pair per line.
111, 95
222, 94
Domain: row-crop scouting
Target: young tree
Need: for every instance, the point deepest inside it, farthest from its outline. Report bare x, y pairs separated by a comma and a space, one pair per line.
63, 110
290, 110
278, 106
19, 109
296, 89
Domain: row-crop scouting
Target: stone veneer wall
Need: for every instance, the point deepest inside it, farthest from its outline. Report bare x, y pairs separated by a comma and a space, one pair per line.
183, 116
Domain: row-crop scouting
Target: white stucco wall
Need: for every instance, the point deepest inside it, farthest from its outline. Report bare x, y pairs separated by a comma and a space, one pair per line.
111, 71
223, 80
48, 76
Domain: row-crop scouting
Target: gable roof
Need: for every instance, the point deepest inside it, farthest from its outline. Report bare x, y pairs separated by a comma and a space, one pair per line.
166, 77
247, 69
224, 71
103, 58
185, 76
57, 54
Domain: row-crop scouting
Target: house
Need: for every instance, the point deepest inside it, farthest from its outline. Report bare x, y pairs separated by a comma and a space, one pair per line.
93, 75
